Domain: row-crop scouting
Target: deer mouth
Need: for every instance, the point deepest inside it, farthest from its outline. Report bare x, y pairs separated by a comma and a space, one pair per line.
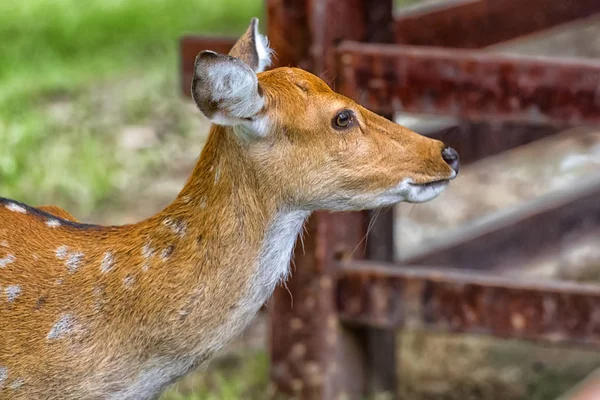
432, 184
422, 192
437, 184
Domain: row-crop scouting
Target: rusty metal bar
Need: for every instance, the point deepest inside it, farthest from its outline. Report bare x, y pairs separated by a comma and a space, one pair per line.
190, 46
476, 140
536, 228
479, 23
289, 32
312, 355
363, 20
381, 361
470, 84
303, 39
385, 296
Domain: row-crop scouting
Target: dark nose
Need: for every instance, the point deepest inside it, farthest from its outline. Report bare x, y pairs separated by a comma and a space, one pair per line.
451, 157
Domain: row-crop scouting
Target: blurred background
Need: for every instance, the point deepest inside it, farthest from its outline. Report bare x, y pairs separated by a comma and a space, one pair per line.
92, 119
90, 111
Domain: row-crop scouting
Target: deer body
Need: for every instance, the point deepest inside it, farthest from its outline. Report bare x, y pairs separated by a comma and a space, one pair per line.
202, 267
93, 312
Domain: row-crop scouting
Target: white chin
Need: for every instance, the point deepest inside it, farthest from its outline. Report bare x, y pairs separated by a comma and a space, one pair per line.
422, 193
405, 191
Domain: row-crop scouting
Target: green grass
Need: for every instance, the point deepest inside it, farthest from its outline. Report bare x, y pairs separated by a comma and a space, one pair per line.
66, 53
51, 46
244, 376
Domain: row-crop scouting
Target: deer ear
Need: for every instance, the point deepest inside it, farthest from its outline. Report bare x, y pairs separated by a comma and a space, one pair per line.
226, 89
253, 48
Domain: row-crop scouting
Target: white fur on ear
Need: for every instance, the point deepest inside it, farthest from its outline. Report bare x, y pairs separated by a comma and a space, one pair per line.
253, 48
226, 88
262, 49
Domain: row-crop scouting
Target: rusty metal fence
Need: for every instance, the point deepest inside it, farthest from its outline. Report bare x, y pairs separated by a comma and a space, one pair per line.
336, 336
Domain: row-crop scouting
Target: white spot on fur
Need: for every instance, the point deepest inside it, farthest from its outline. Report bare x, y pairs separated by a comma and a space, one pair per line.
16, 208
61, 252
147, 251
4, 243
108, 262
62, 327
12, 292
217, 175
128, 281
53, 223
166, 253
145, 267
17, 383
178, 227
99, 297
192, 302
74, 261
203, 203
3, 375
59, 281
9, 258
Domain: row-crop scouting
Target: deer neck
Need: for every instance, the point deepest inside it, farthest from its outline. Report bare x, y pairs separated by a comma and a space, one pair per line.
242, 234
227, 201
210, 259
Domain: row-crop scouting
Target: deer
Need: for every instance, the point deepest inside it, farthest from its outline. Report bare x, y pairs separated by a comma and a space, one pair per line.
121, 312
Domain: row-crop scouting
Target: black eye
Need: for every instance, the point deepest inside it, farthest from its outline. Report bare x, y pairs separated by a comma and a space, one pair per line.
343, 119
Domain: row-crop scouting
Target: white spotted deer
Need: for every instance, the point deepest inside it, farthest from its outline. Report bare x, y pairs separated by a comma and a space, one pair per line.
120, 312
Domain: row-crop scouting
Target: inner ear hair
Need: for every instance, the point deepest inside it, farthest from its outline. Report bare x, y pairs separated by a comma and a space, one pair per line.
225, 88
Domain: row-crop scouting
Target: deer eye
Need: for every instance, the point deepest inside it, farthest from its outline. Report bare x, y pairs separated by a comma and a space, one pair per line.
342, 119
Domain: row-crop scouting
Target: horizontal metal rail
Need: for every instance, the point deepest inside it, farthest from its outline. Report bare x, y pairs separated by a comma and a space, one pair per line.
538, 227
385, 296
470, 84
480, 23
475, 141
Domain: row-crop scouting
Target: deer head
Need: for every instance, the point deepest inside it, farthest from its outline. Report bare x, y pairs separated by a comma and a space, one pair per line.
312, 147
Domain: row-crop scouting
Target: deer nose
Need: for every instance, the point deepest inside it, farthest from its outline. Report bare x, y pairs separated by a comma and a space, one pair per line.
451, 157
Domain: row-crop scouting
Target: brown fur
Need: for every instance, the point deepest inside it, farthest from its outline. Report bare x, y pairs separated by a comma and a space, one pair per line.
173, 282
59, 212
